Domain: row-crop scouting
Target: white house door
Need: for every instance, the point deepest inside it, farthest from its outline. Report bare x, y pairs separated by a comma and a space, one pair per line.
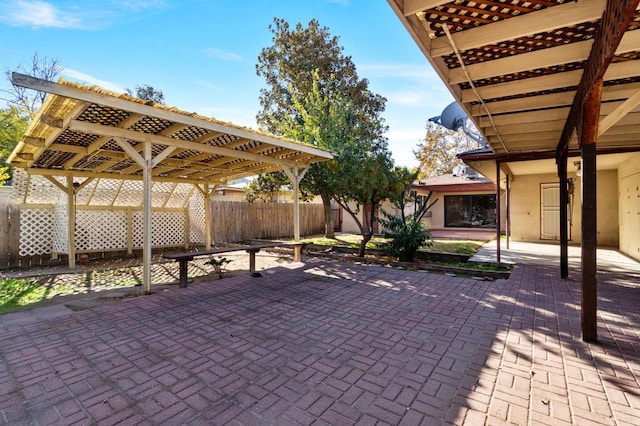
550, 214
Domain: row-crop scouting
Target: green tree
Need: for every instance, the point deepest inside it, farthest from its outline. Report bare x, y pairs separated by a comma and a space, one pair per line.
148, 93
13, 123
437, 152
313, 94
22, 106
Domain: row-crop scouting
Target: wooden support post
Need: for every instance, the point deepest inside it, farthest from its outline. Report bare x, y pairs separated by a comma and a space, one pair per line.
564, 203
146, 219
207, 216
498, 211
184, 271
507, 199
295, 175
588, 138
71, 222
129, 231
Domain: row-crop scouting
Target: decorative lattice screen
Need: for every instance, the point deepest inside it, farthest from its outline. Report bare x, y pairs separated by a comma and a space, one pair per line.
33, 240
106, 210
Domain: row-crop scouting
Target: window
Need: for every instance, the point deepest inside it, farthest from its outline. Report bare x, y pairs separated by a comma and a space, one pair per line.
470, 211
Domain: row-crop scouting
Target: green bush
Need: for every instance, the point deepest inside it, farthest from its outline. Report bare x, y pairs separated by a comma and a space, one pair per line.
407, 235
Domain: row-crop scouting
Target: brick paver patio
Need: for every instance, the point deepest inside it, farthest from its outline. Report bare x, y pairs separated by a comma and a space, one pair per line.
330, 343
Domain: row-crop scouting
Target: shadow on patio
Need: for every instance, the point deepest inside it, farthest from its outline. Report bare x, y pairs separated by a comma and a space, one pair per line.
333, 343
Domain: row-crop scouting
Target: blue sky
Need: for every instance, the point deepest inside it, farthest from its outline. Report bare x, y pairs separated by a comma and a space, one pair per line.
202, 53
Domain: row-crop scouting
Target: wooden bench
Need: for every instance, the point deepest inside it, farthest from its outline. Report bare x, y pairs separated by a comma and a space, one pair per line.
185, 258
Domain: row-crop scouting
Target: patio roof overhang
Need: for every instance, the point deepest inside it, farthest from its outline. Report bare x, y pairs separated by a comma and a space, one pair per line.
539, 77
86, 132
515, 67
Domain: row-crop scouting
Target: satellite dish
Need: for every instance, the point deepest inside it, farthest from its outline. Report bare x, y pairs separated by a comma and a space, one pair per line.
454, 118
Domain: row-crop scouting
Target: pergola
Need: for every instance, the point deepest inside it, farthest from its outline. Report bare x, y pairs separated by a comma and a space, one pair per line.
541, 79
89, 133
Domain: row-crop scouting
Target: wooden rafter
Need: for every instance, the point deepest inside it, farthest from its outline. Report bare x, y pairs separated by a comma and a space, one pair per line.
613, 25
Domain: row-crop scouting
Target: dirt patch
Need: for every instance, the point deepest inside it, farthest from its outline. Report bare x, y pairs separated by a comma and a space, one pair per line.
105, 281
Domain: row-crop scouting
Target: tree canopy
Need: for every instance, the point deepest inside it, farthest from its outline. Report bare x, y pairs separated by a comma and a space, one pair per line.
13, 123
26, 100
148, 93
313, 94
437, 152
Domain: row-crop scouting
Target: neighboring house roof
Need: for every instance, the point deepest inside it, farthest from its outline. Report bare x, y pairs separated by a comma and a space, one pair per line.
451, 183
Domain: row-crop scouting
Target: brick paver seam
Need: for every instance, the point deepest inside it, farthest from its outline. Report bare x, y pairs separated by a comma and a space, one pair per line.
28, 407
562, 351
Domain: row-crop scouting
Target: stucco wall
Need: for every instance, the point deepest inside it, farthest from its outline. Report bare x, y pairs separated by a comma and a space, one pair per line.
526, 207
629, 212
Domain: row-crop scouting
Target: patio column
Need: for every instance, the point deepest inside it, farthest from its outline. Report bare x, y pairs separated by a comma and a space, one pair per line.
295, 175
146, 218
71, 222
507, 199
206, 194
588, 137
147, 163
498, 211
564, 203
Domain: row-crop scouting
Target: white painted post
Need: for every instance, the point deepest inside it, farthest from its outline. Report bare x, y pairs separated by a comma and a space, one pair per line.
207, 216
295, 175
146, 218
71, 222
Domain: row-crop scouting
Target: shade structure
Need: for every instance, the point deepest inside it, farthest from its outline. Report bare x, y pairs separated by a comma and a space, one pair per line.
87, 132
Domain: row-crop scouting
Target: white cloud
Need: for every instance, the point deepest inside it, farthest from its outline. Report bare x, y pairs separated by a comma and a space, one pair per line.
35, 13
87, 15
91, 80
221, 54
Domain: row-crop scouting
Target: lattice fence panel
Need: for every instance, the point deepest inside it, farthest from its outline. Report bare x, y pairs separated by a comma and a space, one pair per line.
41, 191
137, 230
19, 185
130, 194
167, 229
35, 231
196, 219
83, 197
160, 193
101, 229
181, 195
105, 192
60, 236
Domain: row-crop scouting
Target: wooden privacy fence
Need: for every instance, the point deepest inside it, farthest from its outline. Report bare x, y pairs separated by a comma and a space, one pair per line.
9, 231
233, 221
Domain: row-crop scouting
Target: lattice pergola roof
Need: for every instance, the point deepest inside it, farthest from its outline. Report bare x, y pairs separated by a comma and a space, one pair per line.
89, 132
515, 65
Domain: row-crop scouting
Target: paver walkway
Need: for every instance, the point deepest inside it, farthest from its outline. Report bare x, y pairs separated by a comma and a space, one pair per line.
330, 343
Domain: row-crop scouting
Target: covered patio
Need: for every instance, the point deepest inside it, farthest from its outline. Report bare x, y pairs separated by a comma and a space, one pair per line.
331, 343
554, 88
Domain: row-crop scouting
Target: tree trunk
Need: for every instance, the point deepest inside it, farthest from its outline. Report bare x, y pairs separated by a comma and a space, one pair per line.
366, 237
328, 217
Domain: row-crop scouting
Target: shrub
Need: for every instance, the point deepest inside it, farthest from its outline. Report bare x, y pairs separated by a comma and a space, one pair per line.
218, 264
407, 236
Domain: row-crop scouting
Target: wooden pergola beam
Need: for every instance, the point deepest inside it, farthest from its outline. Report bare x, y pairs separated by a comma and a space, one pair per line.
615, 20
